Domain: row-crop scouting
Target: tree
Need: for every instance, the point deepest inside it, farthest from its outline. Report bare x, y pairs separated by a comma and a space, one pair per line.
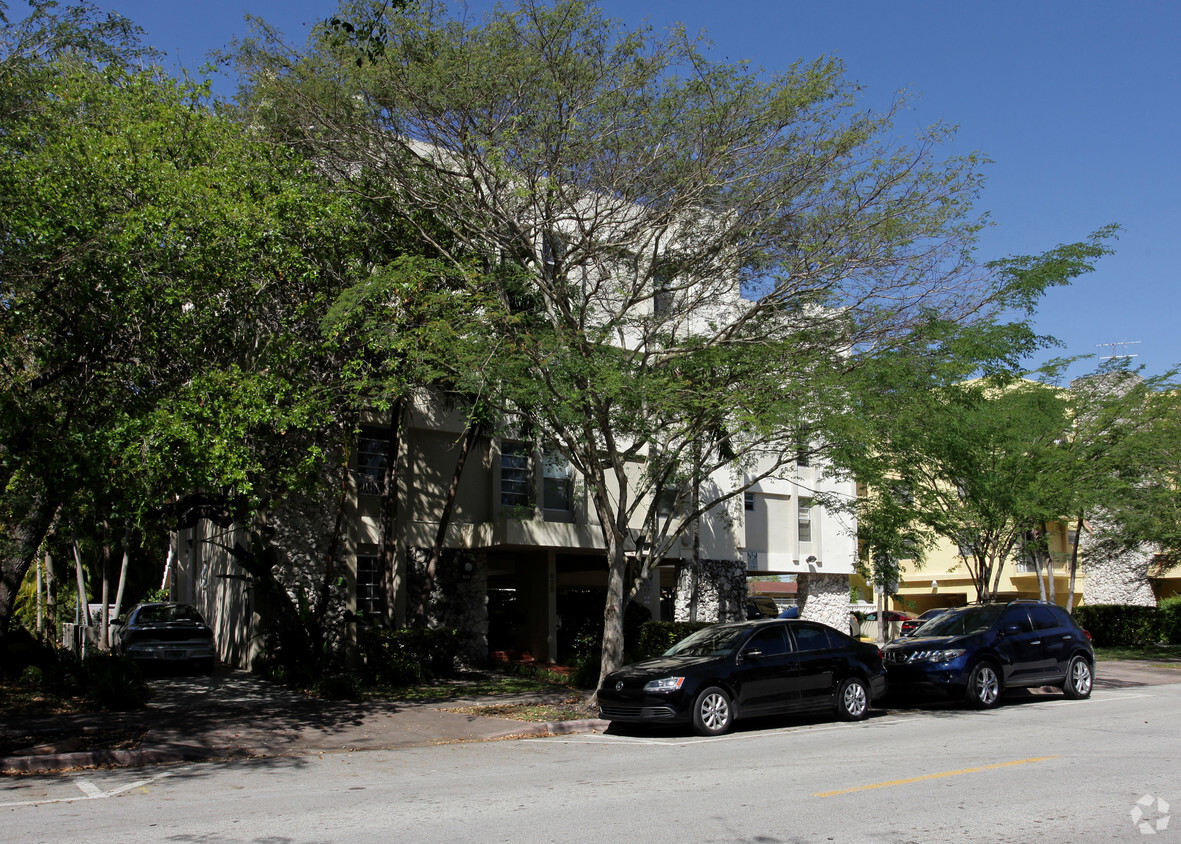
164, 275
1116, 467
694, 256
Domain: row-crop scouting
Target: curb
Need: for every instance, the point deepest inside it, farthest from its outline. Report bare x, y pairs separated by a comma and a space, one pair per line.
563, 728
98, 758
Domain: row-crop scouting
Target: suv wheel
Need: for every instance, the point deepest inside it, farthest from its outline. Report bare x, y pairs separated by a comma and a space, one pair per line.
1079, 679
984, 686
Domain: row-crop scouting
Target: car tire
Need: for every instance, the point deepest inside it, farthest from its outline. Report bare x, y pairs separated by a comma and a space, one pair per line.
713, 712
984, 686
1079, 679
853, 700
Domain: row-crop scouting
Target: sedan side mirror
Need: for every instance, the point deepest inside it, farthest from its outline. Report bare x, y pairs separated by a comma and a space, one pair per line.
754, 653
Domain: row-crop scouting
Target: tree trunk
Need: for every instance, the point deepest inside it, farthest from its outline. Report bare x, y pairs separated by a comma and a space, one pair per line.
337, 528
50, 598
123, 569
104, 615
25, 539
1035, 557
1050, 576
387, 548
615, 604
83, 606
40, 618
1078, 533
470, 436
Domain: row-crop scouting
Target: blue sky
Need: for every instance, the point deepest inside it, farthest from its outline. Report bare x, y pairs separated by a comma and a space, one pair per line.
1078, 105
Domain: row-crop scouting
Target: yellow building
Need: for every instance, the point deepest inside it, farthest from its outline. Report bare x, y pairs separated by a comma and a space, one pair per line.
942, 579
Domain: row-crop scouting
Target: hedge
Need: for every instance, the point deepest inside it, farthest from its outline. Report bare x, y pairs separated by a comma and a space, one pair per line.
407, 656
1170, 620
656, 637
1120, 625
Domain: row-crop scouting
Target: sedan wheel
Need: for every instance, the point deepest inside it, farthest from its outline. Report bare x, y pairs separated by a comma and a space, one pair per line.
984, 687
852, 700
712, 712
1079, 679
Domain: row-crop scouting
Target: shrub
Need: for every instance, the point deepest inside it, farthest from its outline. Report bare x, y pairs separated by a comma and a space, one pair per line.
1170, 620
656, 637
114, 682
1119, 624
407, 656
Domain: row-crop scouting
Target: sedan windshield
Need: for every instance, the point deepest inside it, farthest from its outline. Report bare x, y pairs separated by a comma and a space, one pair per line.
709, 641
962, 622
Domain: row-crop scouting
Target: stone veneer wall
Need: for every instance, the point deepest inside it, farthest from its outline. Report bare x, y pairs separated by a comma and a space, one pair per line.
824, 598
721, 591
1120, 578
458, 600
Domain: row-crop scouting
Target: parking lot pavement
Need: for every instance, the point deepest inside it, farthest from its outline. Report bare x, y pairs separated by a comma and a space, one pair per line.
235, 714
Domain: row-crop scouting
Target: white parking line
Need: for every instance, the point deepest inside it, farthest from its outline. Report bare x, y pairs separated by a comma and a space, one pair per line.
1094, 699
90, 791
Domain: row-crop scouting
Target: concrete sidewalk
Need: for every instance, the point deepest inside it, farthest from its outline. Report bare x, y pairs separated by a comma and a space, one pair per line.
237, 715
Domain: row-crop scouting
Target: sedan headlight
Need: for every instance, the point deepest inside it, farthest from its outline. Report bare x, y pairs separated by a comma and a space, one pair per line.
944, 655
664, 684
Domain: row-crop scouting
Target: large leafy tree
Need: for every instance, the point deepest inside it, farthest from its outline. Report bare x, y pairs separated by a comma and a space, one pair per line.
164, 275
695, 256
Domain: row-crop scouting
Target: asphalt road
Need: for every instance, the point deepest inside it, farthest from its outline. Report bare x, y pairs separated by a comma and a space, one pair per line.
1037, 769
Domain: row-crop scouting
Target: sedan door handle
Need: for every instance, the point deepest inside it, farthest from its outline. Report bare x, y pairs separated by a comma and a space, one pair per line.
1036, 642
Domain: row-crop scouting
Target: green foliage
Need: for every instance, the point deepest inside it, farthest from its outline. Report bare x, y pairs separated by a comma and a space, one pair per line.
1116, 624
114, 682
407, 656
656, 637
1170, 620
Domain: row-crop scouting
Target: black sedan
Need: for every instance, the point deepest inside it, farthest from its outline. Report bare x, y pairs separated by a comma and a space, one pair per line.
730, 671
167, 633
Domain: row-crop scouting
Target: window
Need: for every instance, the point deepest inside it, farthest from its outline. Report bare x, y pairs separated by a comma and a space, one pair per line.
1016, 617
804, 519
370, 585
666, 502
556, 493
371, 456
810, 638
553, 253
516, 481
663, 280
769, 641
1024, 567
1042, 617
803, 449
748, 501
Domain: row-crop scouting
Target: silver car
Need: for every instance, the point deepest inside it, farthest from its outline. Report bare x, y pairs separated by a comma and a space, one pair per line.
167, 633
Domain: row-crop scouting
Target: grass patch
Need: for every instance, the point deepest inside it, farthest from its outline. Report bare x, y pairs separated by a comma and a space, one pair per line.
1152, 653
467, 684
571, 709
18, 700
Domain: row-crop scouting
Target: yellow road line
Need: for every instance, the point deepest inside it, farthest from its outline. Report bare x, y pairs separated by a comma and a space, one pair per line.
940, 775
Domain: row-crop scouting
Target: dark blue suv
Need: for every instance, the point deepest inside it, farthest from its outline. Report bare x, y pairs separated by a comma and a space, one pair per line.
978, 651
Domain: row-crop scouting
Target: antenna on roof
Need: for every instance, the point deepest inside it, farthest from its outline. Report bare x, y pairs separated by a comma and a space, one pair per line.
1121, 345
